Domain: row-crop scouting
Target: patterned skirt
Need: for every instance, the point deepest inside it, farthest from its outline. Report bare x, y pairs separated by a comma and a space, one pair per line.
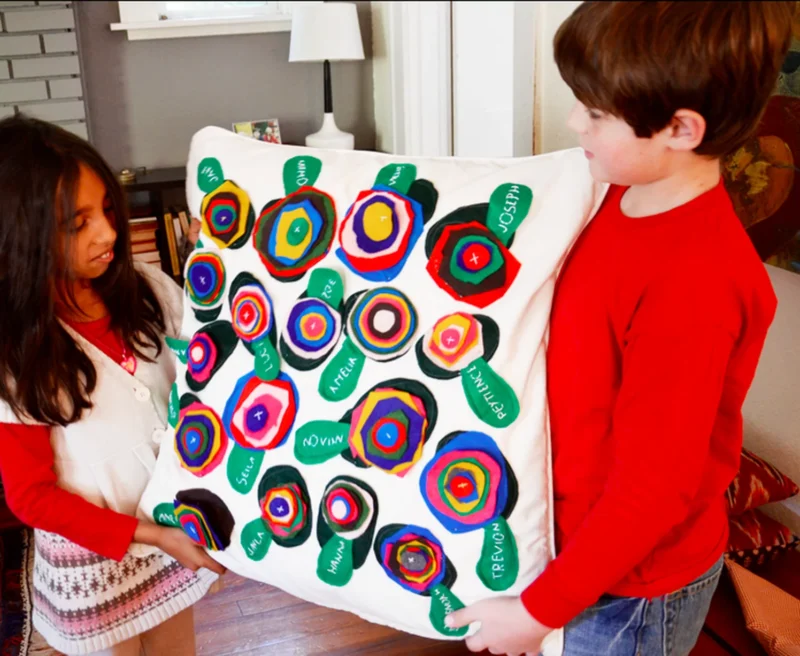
83, 603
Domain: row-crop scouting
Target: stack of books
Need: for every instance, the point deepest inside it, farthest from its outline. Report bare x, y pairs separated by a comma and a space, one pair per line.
163, 243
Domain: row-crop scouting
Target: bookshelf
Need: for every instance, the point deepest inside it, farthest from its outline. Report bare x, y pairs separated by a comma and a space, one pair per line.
157, 226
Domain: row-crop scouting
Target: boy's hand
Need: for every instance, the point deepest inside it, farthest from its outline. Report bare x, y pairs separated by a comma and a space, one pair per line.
174, 542
506, 627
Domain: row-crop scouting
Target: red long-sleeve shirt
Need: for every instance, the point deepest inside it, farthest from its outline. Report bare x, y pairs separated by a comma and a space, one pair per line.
656, 330
30, 483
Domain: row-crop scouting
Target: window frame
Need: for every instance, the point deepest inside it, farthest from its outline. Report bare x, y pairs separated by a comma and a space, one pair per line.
147, 20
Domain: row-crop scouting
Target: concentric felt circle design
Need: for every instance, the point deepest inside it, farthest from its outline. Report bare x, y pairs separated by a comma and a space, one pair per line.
208, 349
454, 341
260, 414
348, 508
200, 442
227, 215
252, 314
382, 323
471, 264
412, 557
468, 483
312, 329
379, 232
284, 510
293, 234
285, 505
205, 518
205, 280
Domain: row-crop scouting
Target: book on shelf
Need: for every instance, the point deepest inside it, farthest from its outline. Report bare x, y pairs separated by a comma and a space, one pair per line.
144, 239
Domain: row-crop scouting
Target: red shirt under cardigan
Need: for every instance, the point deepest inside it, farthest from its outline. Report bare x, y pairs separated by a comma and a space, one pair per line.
31, 487
656, 330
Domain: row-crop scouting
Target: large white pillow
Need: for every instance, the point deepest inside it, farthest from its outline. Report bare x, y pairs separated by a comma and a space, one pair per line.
401, 466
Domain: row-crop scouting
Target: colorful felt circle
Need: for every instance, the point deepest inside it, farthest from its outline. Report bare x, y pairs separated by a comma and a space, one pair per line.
454, 341
208, 349
260, 414
413, 558
382, 323
379, 232
295, 233
285, 510
471, 264
252, 315
312, 329
202, 355
226, 213
388, 429
205, 280
466, 484
348, 508
205, 518
200, 441
285, 505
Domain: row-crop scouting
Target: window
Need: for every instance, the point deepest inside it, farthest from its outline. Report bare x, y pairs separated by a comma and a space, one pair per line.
178, 10
168, 20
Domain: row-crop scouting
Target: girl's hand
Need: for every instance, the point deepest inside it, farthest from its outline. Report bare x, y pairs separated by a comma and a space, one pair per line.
194, 231
174, 542
506, 627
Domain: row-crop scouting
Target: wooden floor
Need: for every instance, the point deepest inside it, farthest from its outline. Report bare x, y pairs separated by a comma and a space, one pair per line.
250, 618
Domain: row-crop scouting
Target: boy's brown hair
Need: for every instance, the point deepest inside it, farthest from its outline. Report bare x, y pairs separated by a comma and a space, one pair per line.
642, 61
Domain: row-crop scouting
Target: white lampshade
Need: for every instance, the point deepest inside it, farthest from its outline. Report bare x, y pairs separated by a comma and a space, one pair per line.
325, 30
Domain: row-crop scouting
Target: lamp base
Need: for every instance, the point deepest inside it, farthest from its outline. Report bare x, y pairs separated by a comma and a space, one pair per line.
330, 136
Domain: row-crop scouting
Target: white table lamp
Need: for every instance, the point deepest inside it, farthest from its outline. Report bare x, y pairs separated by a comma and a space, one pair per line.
326, 32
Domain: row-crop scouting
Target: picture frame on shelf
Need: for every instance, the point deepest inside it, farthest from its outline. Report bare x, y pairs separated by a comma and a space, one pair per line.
263, 130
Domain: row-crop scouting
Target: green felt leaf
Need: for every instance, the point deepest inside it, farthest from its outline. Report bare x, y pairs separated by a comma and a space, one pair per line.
499, 563
244, 466
335, 562
173, 411
318, 441
301, 171
178, 347
268, 362
209, 174
199, 243
444, 602
256, 540
164, 514
508, 207
490, 397
397, 176
326, 285
340, 376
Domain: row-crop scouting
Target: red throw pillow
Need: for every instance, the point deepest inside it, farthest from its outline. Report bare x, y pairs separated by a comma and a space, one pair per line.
756, 538
756, 484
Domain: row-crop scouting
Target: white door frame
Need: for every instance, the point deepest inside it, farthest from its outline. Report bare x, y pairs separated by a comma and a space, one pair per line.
412, 81
454, 77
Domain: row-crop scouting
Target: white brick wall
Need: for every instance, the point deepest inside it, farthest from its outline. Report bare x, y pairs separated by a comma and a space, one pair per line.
40, 71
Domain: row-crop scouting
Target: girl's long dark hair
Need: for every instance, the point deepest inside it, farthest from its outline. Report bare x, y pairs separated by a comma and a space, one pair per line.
44, 374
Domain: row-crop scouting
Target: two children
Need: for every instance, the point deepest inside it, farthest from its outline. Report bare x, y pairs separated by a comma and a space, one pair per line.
653, 343
653, 348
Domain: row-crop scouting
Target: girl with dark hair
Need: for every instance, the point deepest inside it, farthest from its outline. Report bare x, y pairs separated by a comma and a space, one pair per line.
85, 377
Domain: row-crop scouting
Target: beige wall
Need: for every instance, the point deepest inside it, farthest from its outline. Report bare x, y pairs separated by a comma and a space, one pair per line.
553, 98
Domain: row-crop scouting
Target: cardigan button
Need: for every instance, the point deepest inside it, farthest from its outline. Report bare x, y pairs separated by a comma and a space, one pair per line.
159, 435
142, 394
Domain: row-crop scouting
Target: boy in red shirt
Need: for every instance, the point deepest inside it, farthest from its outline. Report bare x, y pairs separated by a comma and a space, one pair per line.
658, 321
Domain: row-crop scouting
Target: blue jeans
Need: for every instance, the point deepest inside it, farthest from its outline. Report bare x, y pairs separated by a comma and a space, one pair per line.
630, 626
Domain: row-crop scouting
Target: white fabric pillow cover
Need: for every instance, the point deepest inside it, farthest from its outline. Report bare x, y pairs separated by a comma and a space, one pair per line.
360, 407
